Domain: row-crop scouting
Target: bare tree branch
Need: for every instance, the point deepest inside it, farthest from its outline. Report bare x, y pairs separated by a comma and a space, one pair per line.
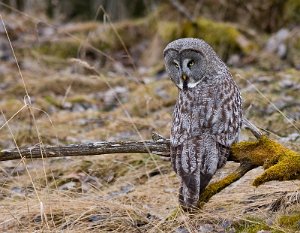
159, 146
254, 130
94, 148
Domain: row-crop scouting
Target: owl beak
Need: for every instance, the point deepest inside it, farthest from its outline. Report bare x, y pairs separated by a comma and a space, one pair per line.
185, 81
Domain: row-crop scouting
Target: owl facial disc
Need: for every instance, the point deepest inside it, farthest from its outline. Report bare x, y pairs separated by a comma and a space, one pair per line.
186, 67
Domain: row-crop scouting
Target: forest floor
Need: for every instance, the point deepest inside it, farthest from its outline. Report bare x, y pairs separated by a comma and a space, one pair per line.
69, 103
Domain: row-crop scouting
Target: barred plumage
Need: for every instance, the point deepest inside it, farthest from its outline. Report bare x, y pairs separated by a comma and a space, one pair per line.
207, 117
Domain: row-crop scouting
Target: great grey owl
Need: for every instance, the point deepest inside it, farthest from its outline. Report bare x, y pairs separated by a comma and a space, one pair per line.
207, 117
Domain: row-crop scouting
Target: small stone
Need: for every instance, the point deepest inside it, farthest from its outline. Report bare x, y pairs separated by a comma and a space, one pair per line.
170, 190
234, 60
181, 229
113, 96
127, 188
290, 138
18, 191
269, 222
96, 218
68, 186
282, 50
206, 228
226, 223
276, 40
286, 83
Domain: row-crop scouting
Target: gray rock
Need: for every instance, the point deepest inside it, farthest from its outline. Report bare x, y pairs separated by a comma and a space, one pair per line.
68, 186
114, 95
276, 43
234, 60
286, 83
226, 223
206, 228
290, 138
282, 50
181, 229
5, 51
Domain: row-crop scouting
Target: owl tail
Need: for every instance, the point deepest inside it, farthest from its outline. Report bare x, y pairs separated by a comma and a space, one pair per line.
191, 189
195, 162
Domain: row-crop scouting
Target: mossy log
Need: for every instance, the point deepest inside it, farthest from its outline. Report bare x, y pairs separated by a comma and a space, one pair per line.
216, 187
279, 162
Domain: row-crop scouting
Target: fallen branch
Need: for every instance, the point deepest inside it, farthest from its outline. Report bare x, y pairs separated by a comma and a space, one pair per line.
161, 148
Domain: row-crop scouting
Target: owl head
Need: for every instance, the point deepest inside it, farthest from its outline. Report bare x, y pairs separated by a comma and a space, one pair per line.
189, 60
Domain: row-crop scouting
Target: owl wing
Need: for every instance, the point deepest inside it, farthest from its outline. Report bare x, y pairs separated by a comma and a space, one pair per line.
227, 117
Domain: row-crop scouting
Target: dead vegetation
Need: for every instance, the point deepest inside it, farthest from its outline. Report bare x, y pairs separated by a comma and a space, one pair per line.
134, 193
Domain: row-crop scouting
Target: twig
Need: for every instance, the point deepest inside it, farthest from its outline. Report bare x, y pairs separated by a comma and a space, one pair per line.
254, 130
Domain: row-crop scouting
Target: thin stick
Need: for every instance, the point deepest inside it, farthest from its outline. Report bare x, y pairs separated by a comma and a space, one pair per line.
254, 130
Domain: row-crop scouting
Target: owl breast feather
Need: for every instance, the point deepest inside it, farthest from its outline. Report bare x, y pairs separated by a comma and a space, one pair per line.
212, 110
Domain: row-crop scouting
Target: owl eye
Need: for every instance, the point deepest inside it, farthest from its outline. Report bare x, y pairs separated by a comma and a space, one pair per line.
191, 63
176, 65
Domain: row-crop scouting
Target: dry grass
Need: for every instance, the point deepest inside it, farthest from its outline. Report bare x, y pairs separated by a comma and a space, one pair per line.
116, 193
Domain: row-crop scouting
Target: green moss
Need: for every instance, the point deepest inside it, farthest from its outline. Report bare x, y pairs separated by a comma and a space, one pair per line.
225, 38
125, 33
292, 11
291, 222
288, 168
253, 225
216, 187
51, 100
280, 162
61, 49
258, 152
221, 36
168, 30
80, 99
